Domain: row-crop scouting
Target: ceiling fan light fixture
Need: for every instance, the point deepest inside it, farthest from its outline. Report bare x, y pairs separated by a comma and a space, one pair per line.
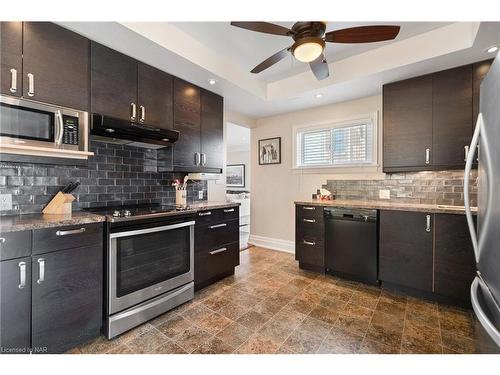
308, 49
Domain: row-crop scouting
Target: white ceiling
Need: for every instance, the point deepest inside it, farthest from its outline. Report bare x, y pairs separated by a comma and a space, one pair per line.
199, 51
237, 138
247, 48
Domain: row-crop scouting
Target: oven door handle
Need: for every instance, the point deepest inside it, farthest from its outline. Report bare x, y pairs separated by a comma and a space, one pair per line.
151, 230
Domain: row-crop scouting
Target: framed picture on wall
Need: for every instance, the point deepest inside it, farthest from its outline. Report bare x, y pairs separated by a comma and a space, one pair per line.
235, 175
270, 151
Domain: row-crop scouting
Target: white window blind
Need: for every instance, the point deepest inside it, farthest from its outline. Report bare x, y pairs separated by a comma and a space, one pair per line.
340, 144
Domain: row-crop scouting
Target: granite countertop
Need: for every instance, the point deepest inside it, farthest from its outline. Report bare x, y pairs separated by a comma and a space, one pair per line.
16, 223
211, 205
388, 205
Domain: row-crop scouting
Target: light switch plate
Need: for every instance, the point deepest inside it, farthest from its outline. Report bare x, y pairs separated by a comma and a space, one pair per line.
5, 202
384, 194
200, 194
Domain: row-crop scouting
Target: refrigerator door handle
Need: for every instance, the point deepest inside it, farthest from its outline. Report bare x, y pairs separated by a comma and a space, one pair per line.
481, 316
468, 168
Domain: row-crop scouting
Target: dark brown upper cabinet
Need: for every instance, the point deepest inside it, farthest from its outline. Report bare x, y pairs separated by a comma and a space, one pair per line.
113, 83
429, 120
11, 58
154, 96
55, 65
212, 154
405, 249
451, 116
407, 120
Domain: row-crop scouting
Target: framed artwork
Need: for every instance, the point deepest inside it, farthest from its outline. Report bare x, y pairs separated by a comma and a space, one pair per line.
270, 151
235, 175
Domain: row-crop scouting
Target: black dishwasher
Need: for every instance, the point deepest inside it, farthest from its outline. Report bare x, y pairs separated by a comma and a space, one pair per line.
352, 243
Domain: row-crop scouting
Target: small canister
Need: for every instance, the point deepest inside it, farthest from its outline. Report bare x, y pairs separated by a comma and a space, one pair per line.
180, 197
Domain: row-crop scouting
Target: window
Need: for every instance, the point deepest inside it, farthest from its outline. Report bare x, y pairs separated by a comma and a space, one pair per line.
351, 143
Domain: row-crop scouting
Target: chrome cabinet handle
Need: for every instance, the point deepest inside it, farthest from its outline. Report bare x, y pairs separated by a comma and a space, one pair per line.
41, 270
427, 156
22, 274
197, 158
69, 232
466, 152
218, 251
2, 240
203, 159
59, 127
229, 210
309, 243
309, 208
13, 80
207, 213
31, 84
217, 226
428, 223
309, 220
143, 113
134, 111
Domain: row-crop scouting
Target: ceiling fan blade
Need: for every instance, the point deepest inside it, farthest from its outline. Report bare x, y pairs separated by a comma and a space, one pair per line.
270, 61
320, 68
363, 34
264, 27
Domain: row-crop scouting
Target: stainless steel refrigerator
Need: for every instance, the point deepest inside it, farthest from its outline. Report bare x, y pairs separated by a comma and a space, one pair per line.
485, 289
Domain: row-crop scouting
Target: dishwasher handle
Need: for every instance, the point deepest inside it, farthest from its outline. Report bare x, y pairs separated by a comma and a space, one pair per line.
351, 215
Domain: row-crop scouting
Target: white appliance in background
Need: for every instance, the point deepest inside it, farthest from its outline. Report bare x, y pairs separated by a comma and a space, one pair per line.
485, 289
243, 198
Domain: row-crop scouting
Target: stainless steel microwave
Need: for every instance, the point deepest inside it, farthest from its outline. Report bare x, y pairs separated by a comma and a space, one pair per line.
44, 127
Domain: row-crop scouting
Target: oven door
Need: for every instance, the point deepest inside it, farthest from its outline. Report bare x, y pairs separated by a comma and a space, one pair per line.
145, 263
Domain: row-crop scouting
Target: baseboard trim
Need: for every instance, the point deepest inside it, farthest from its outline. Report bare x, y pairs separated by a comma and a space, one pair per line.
272, 243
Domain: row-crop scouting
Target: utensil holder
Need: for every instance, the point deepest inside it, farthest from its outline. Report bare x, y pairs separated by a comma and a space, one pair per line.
180, 197
60, 204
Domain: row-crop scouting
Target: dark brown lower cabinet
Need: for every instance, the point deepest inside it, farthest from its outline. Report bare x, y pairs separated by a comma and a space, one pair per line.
310, 237
67, 300
405, 249
454, 263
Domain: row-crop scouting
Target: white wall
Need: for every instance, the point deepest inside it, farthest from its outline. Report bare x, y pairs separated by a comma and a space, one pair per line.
275, 187
241, 157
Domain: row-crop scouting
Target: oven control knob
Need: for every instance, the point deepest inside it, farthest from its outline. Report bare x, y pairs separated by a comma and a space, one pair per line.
127, 213
116, 213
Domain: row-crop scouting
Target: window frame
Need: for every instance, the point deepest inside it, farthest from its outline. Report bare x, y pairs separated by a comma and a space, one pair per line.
355, 120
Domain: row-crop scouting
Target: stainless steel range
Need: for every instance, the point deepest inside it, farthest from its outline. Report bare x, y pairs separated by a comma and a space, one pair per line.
150, 252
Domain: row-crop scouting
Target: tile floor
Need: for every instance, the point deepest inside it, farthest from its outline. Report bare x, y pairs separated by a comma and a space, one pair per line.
271, 306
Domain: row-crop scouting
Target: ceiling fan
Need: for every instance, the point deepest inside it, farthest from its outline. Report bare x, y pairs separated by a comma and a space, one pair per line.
309, 41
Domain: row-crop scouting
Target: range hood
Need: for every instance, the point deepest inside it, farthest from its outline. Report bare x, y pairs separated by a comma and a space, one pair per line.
132, 133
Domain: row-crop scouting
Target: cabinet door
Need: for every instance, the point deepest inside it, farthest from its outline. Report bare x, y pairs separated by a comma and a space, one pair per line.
455, 265
187, 122
15, 305
11, 56
212, 130
408, 124
59, 61
452, 116
479, 71
405, 249
66, 298
113, 82
154, 93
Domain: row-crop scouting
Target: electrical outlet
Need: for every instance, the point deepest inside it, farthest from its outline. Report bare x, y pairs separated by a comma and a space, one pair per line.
384, 194
5, 202
200, 194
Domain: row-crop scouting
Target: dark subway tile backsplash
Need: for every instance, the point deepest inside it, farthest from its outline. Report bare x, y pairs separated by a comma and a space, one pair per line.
116, 174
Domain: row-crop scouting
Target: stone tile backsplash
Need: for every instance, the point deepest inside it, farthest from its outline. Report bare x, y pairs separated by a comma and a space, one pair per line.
442, 187
116, 174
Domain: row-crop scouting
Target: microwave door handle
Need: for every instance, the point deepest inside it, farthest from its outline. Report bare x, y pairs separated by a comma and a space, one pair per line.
59, 127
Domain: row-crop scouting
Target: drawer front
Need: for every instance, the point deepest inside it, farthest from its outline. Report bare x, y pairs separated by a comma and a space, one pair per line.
15, 245
215, 235
59, 238
310, 252
309, 212
217, 260
216, 216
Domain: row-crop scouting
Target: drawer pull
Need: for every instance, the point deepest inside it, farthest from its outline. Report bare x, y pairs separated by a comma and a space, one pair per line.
22, 274
69, 232
428, 223
2, 240
222, 249
309, 243
217, 226
208, 213
309, 208
41, 271
229, 210
309, 220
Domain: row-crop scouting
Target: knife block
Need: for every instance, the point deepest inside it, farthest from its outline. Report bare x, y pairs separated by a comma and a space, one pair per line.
60, 204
